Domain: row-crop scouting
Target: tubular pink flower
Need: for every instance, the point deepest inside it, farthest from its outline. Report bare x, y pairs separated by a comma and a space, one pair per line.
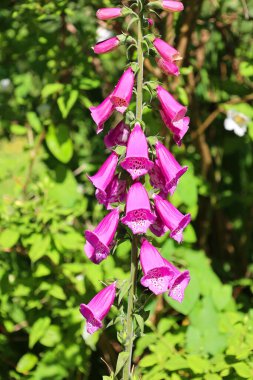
138, 212
157, 275
167, 52
178, 282
114, 193
117, 136
105, 174
97, 309
158, 228
106, 46
170, 168
101, 113
168, 67
123, 91
172, 218
137, 162
173, 110
150, 22
157, 179
108, 13
173, 6
99, 241
178, 128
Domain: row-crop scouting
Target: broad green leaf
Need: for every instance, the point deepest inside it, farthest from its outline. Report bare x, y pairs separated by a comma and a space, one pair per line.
59, 143
26, 363
51, 89
148, 361
243, 370
38, 330
176, 363
8, 238
212, 376
66, 102
221, 295
197, 364
57, 292
122, 358
34, 121
40, 247
51, 337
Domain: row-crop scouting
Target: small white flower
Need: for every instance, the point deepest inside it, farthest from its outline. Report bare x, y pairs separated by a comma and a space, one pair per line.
103, 34
6, 84
236, 122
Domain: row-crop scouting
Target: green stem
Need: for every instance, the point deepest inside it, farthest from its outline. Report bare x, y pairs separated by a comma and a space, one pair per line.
130, 309
134, 253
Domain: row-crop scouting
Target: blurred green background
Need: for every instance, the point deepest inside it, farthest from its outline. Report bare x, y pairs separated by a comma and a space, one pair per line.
49, 77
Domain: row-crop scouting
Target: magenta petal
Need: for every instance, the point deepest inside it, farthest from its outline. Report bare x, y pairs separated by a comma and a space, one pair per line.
150, 257
156, 274
137, 198
138, 221
156, 177
101, 113
102, 302
114, 193
137, 162
178, 128
168, 67
108, 13
98, 308
172, 218
138, 211
117, 136
106, 173
102, 237
93, 324
173, 6
180, 284
166, 51
123, 91
170, 168
173, 110
101, 251
106, 46
181, 127
157, 280
158, 228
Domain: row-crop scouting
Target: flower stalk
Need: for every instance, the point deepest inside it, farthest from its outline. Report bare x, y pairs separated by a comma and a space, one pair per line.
134, 251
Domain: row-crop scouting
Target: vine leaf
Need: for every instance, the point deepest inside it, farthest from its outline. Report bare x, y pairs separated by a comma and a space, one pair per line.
122, 359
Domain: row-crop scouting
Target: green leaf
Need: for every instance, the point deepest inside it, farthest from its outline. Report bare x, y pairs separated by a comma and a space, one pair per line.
221, 295
120, 150
148, 361
122, 358
198, 364
57, 292
65, 103
51, 337
212, 376
40, 247
242, 369
246, 69
140, 321
176, 363
26, 363
8, 238
34, 121
51, 89
38, 330
59, 143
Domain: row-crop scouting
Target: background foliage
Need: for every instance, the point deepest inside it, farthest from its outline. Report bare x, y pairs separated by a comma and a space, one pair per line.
48, 79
